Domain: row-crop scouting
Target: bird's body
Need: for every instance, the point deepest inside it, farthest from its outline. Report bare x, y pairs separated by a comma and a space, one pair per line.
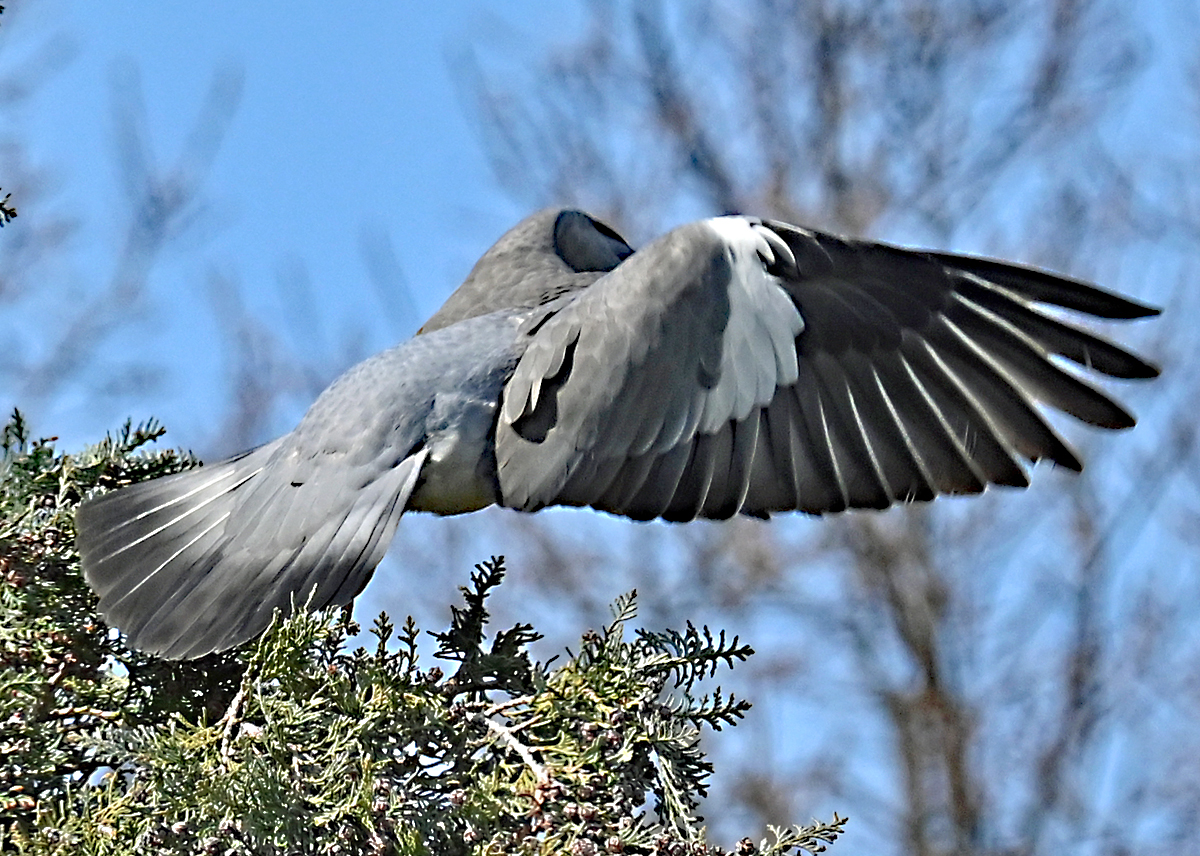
731, 366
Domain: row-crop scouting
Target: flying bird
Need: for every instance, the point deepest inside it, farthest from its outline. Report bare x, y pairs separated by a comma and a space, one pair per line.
734, 365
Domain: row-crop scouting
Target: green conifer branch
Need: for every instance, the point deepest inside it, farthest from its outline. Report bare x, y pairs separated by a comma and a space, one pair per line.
313, 740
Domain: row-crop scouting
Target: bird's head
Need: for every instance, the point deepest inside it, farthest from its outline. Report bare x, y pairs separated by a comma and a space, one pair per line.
547, 254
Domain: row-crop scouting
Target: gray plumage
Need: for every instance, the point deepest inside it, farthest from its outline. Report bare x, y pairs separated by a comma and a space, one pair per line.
731, 366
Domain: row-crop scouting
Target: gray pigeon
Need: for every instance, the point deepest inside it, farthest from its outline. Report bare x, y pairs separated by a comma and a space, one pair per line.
732, 366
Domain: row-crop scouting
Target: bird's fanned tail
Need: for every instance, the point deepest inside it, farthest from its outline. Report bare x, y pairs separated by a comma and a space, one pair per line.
183, 566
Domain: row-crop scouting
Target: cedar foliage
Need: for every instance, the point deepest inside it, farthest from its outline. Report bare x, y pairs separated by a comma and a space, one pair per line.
303, 742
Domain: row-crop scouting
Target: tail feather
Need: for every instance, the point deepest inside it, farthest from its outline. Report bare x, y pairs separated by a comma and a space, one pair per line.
127, 537
182, 571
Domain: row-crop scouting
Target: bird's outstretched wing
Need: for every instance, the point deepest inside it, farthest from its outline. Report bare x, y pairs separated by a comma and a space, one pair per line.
745, 366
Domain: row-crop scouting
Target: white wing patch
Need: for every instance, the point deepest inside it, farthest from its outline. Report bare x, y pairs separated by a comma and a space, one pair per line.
759, 344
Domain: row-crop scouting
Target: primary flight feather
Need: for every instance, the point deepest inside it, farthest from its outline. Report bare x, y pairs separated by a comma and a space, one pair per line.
732, 366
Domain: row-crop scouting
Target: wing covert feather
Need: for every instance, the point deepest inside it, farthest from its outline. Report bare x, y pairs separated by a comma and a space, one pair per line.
683, 337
